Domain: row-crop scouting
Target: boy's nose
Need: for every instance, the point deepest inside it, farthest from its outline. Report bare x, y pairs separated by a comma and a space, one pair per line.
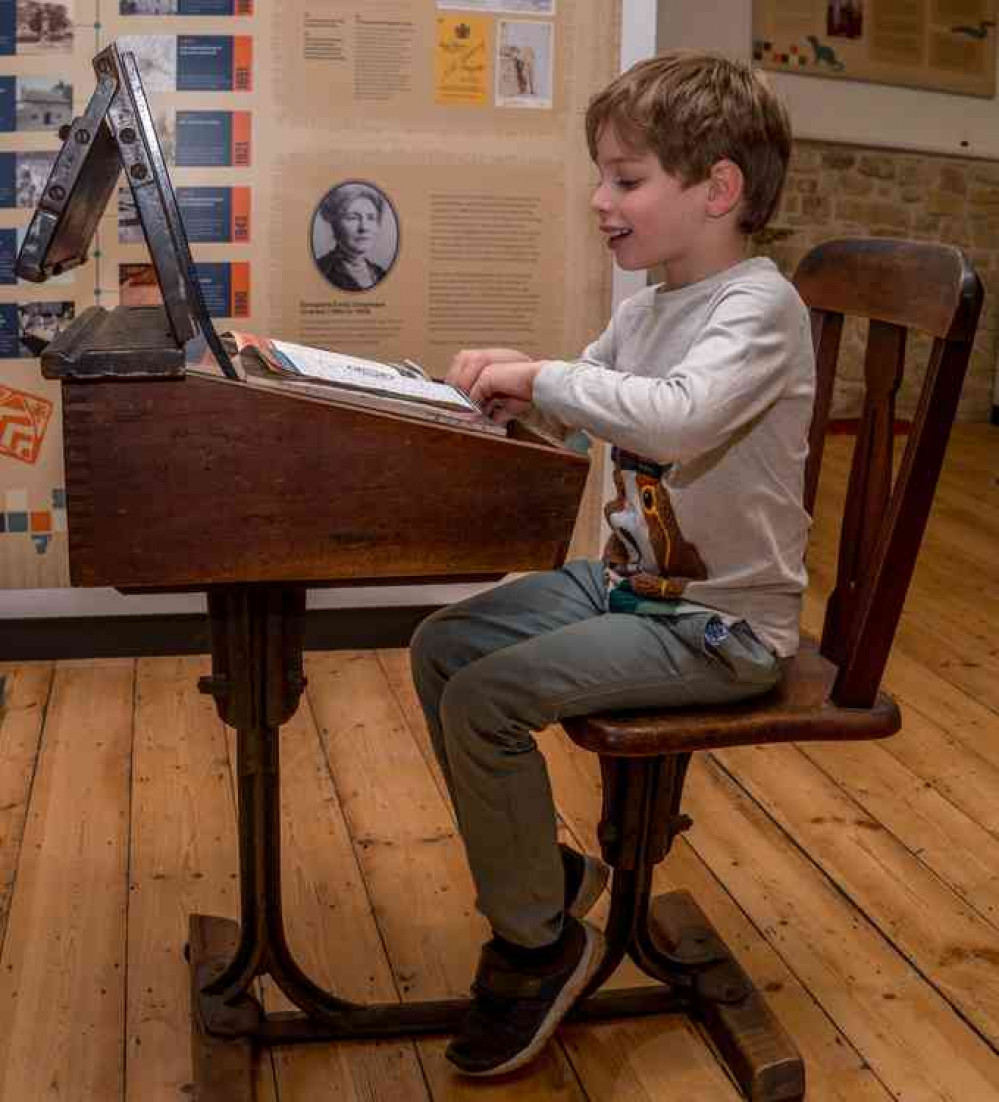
600, 200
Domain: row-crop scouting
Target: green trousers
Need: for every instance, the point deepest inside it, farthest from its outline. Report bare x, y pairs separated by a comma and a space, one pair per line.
491, 670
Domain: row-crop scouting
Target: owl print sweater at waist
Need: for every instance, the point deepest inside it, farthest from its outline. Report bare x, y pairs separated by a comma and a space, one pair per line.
706, 393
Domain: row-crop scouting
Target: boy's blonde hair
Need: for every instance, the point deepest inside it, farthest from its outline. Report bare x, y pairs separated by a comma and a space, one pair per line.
692, 109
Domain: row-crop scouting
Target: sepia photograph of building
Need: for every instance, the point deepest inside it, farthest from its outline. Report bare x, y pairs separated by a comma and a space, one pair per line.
43, 104
43, 28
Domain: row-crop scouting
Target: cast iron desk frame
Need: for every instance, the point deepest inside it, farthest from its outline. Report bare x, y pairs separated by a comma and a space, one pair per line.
257, 678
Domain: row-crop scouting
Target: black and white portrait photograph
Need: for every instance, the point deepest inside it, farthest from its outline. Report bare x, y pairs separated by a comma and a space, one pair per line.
129, 226
165, 122
43, 103
32, 174
39, 322
43, 27
156, 56
355, 236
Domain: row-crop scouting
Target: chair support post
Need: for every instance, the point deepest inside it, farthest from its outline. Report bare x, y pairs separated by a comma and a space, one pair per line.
672, 940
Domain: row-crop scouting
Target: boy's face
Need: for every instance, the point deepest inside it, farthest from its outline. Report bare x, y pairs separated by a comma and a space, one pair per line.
648, 216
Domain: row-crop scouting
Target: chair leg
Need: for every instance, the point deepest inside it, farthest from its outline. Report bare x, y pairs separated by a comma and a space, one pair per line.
671, 939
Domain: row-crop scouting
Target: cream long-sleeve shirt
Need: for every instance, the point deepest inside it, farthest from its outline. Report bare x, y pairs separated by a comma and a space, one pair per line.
706, 391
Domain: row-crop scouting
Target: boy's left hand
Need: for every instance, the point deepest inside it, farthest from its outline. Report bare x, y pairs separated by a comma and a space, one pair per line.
504, 390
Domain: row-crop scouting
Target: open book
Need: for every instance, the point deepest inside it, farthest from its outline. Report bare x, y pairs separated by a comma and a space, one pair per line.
404, 388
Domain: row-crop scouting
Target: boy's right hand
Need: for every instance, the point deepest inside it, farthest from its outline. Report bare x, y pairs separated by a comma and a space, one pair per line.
469, 364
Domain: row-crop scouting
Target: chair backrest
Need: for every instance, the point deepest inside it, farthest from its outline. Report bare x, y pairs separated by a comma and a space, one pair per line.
898, 285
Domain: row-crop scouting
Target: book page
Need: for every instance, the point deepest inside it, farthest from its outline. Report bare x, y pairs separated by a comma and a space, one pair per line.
254, 373
317, 362
351, 371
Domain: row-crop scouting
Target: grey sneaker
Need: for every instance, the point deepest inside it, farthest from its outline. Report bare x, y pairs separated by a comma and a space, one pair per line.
517, 1007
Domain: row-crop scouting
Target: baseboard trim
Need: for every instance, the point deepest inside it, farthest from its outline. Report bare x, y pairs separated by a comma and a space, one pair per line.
49, 638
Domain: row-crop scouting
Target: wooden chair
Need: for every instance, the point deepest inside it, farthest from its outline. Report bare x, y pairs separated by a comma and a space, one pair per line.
830, 689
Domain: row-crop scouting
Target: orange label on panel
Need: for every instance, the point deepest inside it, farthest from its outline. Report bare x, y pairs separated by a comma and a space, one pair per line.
240, 214
242, 54
240, 275
23, 421
241, 137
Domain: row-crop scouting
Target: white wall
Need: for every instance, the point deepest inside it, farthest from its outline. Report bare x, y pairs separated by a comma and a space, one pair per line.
638, 41
826, 109
16, 604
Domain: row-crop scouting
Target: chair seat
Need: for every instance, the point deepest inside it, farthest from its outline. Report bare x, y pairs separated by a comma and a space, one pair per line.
798, 709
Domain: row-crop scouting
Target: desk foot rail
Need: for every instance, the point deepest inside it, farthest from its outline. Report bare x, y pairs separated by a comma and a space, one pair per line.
223, 1068
722, 1000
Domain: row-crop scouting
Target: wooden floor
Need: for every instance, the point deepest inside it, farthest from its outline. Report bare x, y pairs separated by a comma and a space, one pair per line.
859, 882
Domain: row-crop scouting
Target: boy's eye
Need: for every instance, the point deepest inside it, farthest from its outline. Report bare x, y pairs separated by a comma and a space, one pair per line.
627, 184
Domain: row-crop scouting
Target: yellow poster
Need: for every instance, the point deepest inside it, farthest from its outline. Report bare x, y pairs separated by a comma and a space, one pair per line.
462, 60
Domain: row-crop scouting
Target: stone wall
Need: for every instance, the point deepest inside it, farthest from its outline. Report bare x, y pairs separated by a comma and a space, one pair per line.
839, 191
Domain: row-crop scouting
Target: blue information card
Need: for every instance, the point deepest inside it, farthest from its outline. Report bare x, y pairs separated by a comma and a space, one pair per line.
8, 331
207, 213
8, 103
8, 179
189, 7
8, 26
214, 7
8, 254
204, 63
207, 139
214, 63
216, 286
226, 287
204, 138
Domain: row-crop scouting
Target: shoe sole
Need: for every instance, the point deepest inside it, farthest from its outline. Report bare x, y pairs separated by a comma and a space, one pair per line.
595, 875
589, 962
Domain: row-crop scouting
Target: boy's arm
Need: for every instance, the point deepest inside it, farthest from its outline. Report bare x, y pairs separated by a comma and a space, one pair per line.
501, 380
544, 425
735, 369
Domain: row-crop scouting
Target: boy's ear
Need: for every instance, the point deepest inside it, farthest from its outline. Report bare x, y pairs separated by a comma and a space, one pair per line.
725, 187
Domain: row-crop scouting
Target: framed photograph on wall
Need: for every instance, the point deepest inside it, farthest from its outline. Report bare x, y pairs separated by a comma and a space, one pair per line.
943, 45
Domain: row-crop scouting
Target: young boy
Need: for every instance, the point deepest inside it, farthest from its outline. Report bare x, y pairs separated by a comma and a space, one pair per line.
704, 385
